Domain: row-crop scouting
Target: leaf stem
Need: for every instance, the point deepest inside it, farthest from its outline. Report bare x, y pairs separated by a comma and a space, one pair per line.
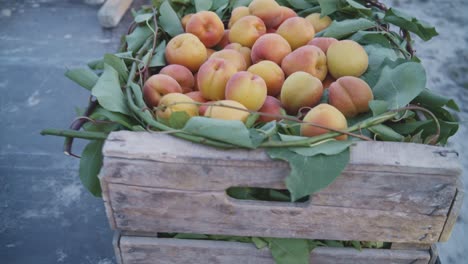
74, 134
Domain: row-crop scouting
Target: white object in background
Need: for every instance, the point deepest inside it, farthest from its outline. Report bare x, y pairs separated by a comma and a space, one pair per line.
112, 11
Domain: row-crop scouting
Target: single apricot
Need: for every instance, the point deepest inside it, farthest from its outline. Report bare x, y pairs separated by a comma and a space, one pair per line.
237, 13
296, 31
181, 74
271, 106
213, 77
272, 47
300, 89
248, 89
347, 58
309, 59
324, 115
319, 23
157, 86
176, 102
187, 50
221, 110
271, 73
322, 42
207, 26
245, 51
247, 30
350, 95
267, 10
233, 56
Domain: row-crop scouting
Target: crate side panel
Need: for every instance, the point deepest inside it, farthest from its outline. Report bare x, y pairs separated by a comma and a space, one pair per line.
146, 250
142, 209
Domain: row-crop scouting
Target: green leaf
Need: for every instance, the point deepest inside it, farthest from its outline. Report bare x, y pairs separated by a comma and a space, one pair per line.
334, 243
341, 29
409, 127
259, 242
136, 39
355, 6
327, 148
378, 107
386, 133
405, 21
178, 120
119, 118
289, 250
399, 85
219, 4
378, 58
83, 76
310, 174
169, 20
203, 5
232, 132
357, 245
300, 4
372, 37
258, 135
191, 236
251, 119
96, 65
90, 165
118, 65
108, 92
158, 58
238, 3
427, 97
329, 6
143, 17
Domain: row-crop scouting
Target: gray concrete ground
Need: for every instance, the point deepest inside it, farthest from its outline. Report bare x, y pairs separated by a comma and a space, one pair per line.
45, 214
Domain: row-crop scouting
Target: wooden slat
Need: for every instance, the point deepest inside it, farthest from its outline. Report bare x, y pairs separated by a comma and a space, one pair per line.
142, 209
112, 12
453, 214
391, 192
116, 245
148, 250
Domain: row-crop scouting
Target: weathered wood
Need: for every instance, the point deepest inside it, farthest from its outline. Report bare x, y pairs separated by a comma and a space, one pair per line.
148, 250
144, 209
453, 214
156, 182
116, 245
112, 12
434, 254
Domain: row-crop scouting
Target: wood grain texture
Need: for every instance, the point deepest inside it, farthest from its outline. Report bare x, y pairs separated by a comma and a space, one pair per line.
157, 183
453, 214
116, 245
148, 250
142, 209
112, 12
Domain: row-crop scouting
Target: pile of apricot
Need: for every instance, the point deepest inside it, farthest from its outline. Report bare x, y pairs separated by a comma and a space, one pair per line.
266, 60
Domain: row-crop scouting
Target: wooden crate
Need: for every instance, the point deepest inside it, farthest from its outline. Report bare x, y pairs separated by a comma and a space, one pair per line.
150, 250
408, 194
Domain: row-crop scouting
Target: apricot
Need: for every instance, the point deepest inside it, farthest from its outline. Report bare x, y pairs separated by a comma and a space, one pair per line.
267, 10
286, 13
350, 95
157, 86
271, 47
196, 96
248, 89
299, 90
245, 51
187, 50
217, 110
209, 52
233, 56
309, 59
202, 108
185, 20
213, 77
347, 58
207, 26
328, 81
271, 73
237, 13
319, 23
296, 31
322, 42
324, 115
271, 106
181, 74
224, 41
176, 102
247, 30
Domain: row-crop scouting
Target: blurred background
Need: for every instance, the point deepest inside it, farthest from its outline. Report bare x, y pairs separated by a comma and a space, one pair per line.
46, 216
